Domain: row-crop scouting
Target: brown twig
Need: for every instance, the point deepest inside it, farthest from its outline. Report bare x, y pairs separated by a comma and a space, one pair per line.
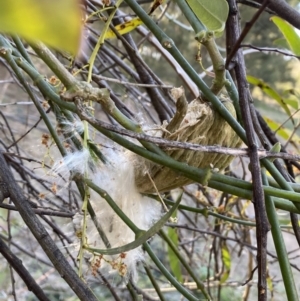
234, 38
42, 236
269, 50
17, 265
284, 10
169, 144
245, 31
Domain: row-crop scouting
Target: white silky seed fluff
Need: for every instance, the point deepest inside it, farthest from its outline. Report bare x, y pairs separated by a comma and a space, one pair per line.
117, 179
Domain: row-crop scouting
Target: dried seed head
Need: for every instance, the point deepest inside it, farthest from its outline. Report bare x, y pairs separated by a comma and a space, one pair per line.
45, 139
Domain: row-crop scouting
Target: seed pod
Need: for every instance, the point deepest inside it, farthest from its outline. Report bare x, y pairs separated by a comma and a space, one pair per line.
201, 125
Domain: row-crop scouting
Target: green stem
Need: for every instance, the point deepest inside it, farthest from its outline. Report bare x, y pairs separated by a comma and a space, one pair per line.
280, 204
83, 238
200, 285
218, 63
207, 39
54, 64
273, 183
198, 27
6, 54
167, 274
234, 95
46, 89
22, 49
101, 40
279, 243
133, 293
279, 179
154, 283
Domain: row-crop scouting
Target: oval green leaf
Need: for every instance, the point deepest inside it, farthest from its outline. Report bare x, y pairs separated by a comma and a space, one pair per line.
54, 22
289, 33
213, 14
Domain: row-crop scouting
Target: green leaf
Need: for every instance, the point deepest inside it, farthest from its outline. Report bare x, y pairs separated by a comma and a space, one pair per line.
213, 14
270, 92
56, 22
281, 42
274, 126
270, 284
226, 259
291, 97
173, 260
276, 148
294, 103
289, 33
123, 28
141, 237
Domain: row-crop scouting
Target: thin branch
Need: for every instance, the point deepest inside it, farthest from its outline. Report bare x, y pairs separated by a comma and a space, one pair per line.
234, 39
17, 265
27, 252
269, 50
284, 10
170, 144
54, 254
41, 211
114, 80
245, 31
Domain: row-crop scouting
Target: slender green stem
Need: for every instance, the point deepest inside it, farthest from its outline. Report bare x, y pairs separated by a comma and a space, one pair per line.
11, 61
279, 203
295, 186
198, 27
83, 238
133, 293
281, 251
98, 225
101, 40
54, 64
234, 95
22, 49
46, 89
167, 274
206, 212
218, 63
189, 269
279, 178
154, 283
207, 39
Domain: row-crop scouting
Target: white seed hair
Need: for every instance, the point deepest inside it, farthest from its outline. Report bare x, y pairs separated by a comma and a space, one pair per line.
118, 180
